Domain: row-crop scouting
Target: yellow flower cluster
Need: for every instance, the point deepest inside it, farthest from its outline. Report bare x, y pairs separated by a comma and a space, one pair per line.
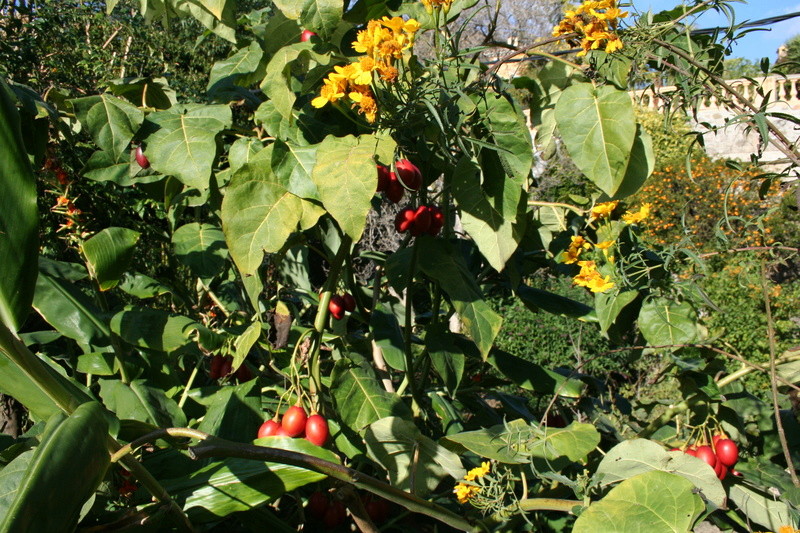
430, 5
382, 42
595, 22
576, 247
603, 210
637, 216
464, 491
590, 278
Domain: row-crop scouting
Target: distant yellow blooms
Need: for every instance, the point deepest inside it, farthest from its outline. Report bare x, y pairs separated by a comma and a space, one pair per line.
464, 491
595, 22
382, 42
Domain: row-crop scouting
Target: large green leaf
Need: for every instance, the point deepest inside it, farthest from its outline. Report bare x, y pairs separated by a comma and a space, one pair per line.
108, 254
159, 330
259, 213
232, 485
533, 377
633, 457
762, 508
360, 399
201, 247
346, 177
137, 401
409, 456
19, 231
322, 16
234, 412
184, 141
440, 261
446, 357
388, 336
292, 165
68, 309
72, 456
241, 69
656, 502
278, 77
509, 129
538, 299
598, 127
111, 121
608, 306
665, 322
640, 166
493, 211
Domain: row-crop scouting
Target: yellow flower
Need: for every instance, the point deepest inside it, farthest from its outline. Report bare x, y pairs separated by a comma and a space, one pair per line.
636, 217
576, 247
465, 492
595, 23
605, 245
478, 472
603, 210
590, 278
787, 529
435, 4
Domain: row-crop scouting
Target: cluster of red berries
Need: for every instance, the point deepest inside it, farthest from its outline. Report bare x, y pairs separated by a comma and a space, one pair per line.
394, 184
424, 219
339, 304
721, 455
58, 171
221, 366
295, 423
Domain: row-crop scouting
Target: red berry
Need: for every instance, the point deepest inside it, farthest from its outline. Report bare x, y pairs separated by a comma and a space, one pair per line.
243, 373
383, 178
409, 174
707, 454
721, 471
349, 302
306, 35
216, 366
317, 504
422, 221
317, 430
378, 510
727, 452
225, 367
268, 429
395, 190
282, 433
336, 307
335, 515
691, 451
404, 220
294, 421
437, 220
141, 158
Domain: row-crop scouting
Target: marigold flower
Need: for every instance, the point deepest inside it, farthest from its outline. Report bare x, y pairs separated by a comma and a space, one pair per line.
464, 492
603, 210
478, 472
576, 247
638, 216
590, 278
595, 22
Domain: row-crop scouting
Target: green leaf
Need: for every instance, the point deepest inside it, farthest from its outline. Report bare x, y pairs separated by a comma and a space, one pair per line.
201, 247
640, 166
440, 261
278, 77
111, 121
259, 213
72, 454
68, 309
141, 286
108, 254
234, 412
537, 299
493, 211
388, 336
665, 322
102, 167
244, 343
608, 306
184, 141
360, 400
242, 151
656, 502
574, 442
322, 16
145, 92
16, 383
510, 132
446, 357
156, 329
409, 456
137, 401
232, 485
761, 508
241, 69
637, 456
97, 363
533, 377
293, 165
598, 127
19, 226
346, 177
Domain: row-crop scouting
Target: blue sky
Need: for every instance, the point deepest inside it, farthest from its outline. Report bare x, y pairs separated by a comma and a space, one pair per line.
755, 45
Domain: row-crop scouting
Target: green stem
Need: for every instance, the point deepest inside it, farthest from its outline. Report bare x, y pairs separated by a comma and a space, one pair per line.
189, 383
407, 331
315, 381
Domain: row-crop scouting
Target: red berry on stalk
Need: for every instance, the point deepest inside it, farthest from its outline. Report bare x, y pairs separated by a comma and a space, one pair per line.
404, 220
349, 302
317, 504
422, 221
336, 307
306, 35
317, 430
383, 178
141, 158
243, 373
268, 429
225, 367
707, 454
378, 510
721, 471
216, 367
282, 433
394, 190
409, 174
437, 220
691, 451
294, 421
727, 452
335, 515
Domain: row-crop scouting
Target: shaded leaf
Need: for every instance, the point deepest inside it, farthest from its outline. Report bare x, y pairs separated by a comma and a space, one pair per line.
108, 254
360, 399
